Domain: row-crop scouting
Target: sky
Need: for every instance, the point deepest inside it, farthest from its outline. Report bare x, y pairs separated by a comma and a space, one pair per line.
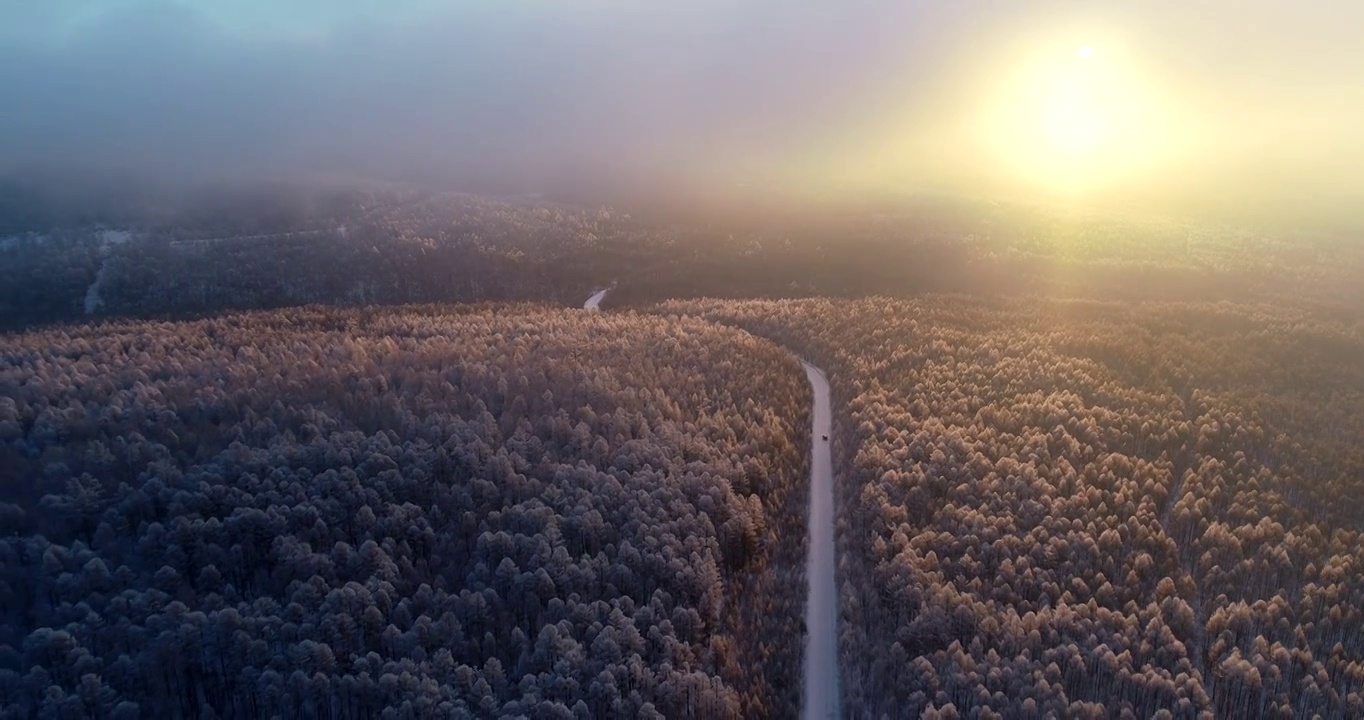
1237, 102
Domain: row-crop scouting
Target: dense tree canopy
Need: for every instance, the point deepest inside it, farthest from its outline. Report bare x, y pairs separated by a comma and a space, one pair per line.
477, 511
1087, 509
1135, 501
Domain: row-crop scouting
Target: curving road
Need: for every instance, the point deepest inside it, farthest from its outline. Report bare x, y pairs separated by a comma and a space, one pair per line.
820, 696
821, 607
593, 303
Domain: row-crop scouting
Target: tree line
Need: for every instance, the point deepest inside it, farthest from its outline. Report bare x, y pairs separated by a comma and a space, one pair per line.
193, 253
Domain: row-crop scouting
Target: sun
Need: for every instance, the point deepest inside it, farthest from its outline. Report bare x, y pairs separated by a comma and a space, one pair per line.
1058, 118
1075, 110
1071, 119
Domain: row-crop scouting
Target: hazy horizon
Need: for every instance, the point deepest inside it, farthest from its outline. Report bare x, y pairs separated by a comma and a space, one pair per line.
1225, 106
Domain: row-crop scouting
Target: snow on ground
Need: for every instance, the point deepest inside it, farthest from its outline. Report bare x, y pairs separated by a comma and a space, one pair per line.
821, 608
110, 238
594, 303
93, 301
11, 242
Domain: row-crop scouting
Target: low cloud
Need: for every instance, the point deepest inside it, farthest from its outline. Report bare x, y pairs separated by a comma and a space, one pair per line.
547, 93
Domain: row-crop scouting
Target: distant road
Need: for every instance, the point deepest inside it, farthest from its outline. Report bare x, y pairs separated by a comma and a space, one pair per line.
594, 303
821, 607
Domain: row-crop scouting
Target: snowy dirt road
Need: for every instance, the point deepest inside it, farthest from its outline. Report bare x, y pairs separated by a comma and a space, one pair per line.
594, 303
820, 699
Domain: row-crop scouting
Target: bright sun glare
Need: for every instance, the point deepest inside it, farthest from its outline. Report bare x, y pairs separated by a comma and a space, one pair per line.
1072, 120
1075, 112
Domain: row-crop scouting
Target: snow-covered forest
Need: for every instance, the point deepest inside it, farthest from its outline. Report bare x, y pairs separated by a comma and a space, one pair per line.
363, 453
491, 511
1082, 509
